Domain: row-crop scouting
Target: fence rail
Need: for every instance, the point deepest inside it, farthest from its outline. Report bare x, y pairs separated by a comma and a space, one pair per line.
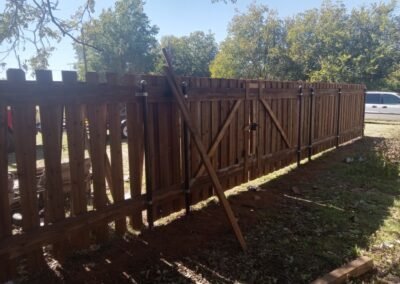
250, 128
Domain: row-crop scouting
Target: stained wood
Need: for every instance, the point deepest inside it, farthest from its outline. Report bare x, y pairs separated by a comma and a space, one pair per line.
261, 146
75, 126
276, 122
116, 166
242, 152
24, 131
311, 126
176, 154
196, 137
92, 78
135, 157
97, 119
163, 161
246, 134
20, 244
51, 120
8, 270
220, 135
353, 269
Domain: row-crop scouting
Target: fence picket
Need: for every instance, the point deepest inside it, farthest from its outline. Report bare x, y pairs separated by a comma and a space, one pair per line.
222, 110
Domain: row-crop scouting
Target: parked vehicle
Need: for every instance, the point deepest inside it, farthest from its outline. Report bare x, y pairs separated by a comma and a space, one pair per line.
382, 105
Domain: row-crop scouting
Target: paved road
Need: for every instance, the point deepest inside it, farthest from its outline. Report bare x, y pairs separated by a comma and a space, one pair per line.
378, 116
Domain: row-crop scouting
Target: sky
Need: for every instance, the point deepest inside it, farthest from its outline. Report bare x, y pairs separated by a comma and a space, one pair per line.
175, 17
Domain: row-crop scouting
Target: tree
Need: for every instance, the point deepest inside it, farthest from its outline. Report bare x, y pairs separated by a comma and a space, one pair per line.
332, 45
34, 23
191, 55
27, 23
124, 38
255, 47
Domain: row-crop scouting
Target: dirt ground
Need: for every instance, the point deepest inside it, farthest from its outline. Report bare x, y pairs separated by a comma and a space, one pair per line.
299, 223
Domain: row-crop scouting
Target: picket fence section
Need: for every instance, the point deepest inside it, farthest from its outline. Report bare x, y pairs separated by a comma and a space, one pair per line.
249, 127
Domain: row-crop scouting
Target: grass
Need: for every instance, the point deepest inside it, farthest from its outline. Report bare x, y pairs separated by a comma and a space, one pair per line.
347, 204
344, 210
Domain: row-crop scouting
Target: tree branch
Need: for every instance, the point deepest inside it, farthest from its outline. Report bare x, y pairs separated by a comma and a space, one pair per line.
64, 31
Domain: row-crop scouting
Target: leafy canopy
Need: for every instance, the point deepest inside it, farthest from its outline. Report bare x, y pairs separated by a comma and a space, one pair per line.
125, 39
325, 44
191, 55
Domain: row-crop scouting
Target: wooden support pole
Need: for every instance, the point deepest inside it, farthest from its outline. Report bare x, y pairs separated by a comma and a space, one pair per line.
311, 125
186, 155
7, 271
147, 154
203, 154
338, 117
363, 110
300, 124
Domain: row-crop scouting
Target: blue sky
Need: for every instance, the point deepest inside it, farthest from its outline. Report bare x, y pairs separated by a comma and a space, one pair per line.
177, 17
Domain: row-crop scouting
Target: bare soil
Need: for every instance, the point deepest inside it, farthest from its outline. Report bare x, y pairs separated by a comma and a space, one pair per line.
298, 226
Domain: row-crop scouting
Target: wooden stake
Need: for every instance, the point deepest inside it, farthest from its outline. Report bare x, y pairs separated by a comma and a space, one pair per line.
338, 117
355, 268
177, 92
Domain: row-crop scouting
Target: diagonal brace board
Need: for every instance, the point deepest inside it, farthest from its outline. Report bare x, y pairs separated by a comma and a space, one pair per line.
276, 122
220, 135
177, 92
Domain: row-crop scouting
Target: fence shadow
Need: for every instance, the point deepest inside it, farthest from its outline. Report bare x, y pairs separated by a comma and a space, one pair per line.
297, 227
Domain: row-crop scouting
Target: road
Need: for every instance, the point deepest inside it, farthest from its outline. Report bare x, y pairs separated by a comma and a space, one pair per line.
379, 116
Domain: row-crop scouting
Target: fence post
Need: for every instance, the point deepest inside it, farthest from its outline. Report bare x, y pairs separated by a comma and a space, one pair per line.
311, 125
186, 154
147, 158
363, 111
7, 271
338, 117
24, 132
246, 131
300, 124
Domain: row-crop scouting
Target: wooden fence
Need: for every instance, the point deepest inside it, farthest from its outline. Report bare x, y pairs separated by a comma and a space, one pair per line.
249, 127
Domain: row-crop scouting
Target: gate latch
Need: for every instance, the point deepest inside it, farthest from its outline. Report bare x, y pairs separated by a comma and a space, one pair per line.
253, 126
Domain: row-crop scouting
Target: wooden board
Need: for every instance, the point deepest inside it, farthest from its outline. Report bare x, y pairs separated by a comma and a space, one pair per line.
24, 127
352, 269
75, 126
8, 270
97, 119
115, 141
51, 120
134, 116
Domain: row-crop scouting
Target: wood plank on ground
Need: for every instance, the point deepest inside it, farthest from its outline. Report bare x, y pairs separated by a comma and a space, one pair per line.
352, 269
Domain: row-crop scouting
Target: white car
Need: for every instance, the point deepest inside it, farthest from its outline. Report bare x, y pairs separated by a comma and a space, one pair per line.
382, 105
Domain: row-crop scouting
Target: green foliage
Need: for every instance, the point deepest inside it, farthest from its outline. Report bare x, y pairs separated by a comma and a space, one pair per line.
32, 24
191, 55
255, 47
326, 44
124, 38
